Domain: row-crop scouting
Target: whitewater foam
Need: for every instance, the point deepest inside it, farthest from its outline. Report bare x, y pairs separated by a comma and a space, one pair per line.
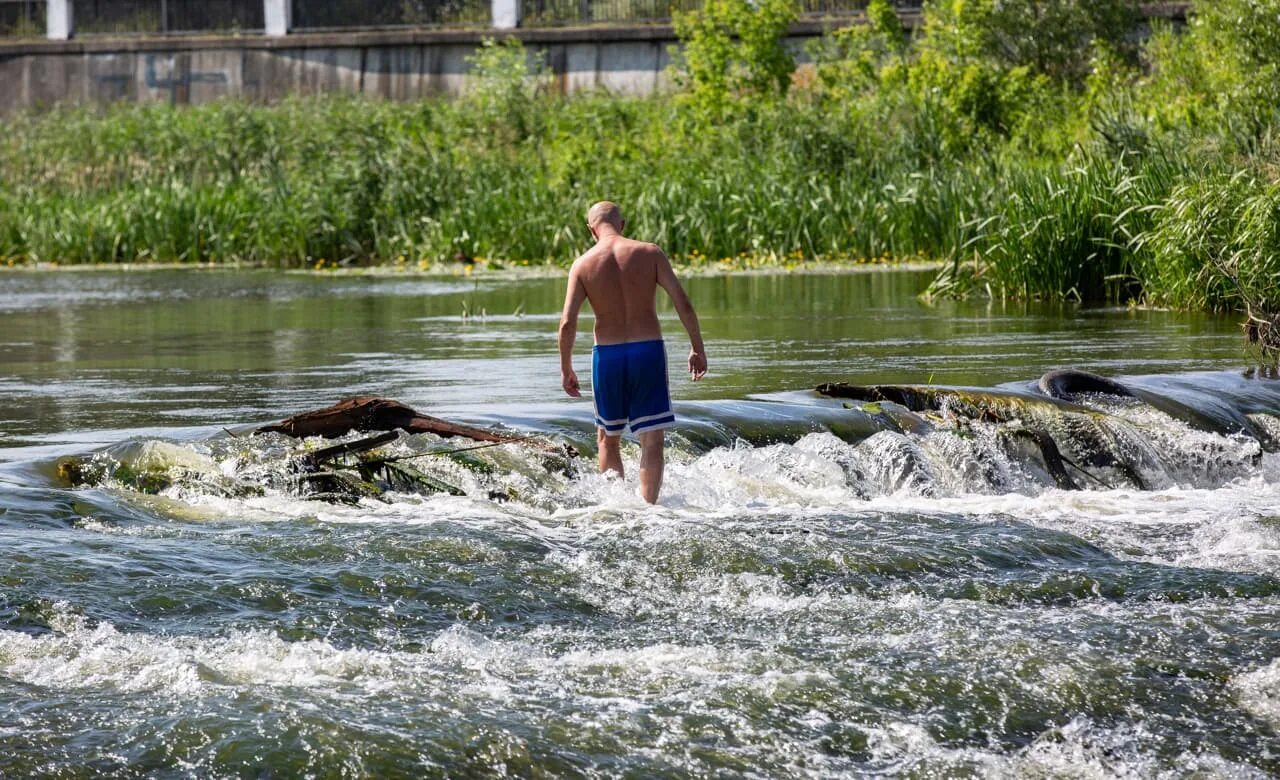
1258, 692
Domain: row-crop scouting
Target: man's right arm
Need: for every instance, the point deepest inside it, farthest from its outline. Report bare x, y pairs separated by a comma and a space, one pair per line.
573, 299
688, 317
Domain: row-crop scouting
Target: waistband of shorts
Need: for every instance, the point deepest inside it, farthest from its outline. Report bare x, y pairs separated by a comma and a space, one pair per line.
625, 345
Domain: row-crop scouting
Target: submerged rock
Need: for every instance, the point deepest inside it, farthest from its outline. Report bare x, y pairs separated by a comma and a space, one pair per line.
1118, 439
151, 466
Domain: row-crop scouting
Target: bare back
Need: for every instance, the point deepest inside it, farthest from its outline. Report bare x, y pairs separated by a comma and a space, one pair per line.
621, 277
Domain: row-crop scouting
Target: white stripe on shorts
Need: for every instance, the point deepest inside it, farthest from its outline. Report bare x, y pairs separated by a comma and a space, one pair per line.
647, 418
653, 426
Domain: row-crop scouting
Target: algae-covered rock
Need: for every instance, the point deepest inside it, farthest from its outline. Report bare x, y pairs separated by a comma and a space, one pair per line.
150, 466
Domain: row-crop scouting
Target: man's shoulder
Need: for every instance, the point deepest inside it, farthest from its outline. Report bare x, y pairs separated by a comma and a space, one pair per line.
584, 259
643, 247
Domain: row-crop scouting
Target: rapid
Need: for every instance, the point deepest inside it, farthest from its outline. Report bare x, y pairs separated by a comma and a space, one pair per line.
829, 586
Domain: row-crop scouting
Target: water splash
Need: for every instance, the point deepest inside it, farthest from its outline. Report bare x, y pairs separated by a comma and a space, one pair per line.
804, 602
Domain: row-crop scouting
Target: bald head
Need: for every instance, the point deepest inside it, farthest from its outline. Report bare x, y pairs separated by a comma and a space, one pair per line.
605, 213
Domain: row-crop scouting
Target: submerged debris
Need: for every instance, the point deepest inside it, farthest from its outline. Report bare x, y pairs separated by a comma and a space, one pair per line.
1068, 384
392, 460
152, 467
920, 440
371, 413
1075, 445
1262, 335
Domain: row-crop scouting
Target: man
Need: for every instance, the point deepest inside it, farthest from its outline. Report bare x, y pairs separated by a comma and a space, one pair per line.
620, 277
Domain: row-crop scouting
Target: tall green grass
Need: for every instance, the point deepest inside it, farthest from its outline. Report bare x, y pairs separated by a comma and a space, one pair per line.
357, 181
362, 181
1067, 229
1214, 243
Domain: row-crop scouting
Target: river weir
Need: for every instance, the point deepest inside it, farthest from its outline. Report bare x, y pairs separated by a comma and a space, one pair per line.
891, 542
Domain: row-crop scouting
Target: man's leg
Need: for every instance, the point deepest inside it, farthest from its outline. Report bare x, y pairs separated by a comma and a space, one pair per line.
608, 385
610, 452
651, 463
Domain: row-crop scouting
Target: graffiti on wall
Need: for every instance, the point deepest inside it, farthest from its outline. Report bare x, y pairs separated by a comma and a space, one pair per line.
160, 72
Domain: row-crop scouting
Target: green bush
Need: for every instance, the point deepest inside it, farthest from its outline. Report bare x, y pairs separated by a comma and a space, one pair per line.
1221, 74
734, 49
974, 71
503, 87
1214, 244
862, 58
1052, 38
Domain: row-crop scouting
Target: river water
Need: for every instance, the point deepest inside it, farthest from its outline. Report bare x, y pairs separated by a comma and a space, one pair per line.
828, 588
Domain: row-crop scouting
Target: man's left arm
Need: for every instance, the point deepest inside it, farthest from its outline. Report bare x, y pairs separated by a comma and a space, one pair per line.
688, 317
573, 299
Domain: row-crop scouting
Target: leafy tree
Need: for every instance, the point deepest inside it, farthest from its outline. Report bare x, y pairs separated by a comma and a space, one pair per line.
735, 48
1054, 38
859, 57
503, 85
1223, 71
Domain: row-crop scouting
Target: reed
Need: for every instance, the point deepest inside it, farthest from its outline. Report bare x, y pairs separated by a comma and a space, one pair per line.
1067, 230
349, 180
1214, 243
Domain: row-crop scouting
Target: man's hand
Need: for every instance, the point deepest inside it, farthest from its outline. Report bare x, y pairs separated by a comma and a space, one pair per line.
697, 365
569, 381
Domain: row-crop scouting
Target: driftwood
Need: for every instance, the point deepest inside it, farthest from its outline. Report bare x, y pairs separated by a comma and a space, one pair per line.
369, 413
333, 474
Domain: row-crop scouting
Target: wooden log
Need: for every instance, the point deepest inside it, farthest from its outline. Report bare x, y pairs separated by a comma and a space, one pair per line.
370, 413
361, 445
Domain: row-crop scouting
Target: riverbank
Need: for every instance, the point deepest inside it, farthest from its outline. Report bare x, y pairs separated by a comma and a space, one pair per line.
744, 266
1104, 172
351, 182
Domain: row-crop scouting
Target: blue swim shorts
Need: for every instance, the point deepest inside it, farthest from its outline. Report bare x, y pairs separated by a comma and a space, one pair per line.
629, 382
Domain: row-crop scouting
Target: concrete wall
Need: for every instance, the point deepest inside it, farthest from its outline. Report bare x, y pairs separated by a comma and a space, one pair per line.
397, 65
